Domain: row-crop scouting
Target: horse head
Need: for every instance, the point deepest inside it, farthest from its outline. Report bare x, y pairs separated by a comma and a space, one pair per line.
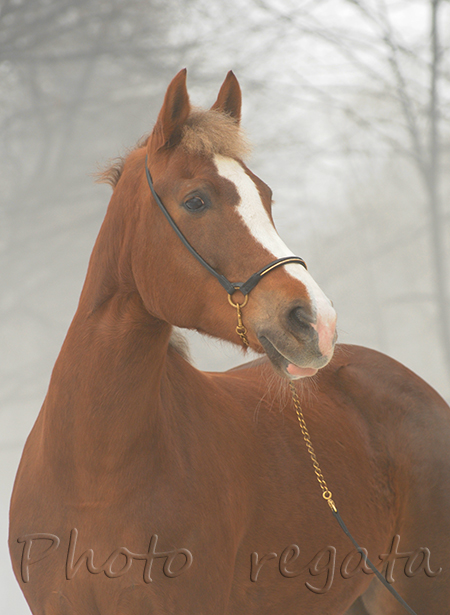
195, 166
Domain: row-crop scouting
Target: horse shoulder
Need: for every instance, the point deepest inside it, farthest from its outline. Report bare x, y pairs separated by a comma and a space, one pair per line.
387, 393
406, 419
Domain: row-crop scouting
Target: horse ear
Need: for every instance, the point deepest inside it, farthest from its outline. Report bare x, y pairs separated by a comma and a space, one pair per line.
173, 114
229, 99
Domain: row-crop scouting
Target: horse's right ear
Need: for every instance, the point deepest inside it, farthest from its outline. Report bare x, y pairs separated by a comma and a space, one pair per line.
173, 114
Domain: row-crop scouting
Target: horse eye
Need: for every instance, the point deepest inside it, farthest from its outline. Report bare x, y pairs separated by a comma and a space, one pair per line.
194, 204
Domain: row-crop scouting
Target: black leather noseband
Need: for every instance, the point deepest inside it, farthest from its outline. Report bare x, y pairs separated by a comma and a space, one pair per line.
230, 287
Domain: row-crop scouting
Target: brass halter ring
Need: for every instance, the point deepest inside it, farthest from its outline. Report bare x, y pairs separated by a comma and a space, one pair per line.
238, 305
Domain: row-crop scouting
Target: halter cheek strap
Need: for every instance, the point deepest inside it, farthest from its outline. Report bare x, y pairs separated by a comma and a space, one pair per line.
230, 287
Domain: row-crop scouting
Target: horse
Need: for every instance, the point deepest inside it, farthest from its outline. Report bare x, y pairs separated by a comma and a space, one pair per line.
149, 487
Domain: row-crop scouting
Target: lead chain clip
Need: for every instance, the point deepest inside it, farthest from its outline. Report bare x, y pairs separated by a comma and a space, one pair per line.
240, 329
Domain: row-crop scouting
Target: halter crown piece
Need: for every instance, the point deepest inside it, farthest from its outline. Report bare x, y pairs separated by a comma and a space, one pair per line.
230, 287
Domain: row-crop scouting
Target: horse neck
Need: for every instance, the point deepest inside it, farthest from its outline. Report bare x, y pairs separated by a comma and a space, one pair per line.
110, 395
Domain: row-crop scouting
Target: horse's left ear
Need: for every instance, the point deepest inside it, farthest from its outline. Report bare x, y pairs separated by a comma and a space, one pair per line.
173, 114
230, 99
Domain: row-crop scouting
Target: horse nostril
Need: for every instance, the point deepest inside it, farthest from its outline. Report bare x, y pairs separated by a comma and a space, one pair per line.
300, 320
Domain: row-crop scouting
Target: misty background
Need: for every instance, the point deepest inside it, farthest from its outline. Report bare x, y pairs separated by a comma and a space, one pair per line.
347, 103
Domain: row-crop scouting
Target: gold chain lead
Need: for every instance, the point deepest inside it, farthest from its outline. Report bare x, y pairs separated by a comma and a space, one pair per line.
326, 493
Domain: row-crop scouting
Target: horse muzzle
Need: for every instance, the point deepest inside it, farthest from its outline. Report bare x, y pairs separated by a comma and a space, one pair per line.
298, 342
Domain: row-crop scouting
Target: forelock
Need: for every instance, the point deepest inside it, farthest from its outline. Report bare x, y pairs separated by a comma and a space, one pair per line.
213, 132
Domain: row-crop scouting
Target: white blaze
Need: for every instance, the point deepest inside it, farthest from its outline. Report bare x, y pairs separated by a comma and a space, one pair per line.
256, 218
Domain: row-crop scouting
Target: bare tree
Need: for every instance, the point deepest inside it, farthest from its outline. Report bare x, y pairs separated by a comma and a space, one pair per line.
405, 89
424, 149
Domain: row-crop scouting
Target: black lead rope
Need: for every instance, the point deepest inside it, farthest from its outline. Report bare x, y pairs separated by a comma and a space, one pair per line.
367, 561
230, 287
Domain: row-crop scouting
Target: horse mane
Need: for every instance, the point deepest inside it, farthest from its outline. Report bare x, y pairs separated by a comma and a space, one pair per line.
113, 169
206, 132
179, 343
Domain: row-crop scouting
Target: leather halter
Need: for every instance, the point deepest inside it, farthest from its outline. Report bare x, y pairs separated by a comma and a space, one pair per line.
230, 287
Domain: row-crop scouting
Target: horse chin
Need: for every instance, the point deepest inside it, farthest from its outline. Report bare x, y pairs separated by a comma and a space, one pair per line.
295, 372
287, 367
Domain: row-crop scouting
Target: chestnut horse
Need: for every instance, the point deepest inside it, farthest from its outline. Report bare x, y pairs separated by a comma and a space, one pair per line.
148, 487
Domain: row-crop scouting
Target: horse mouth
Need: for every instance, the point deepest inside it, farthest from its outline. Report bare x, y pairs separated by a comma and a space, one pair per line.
283, 365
